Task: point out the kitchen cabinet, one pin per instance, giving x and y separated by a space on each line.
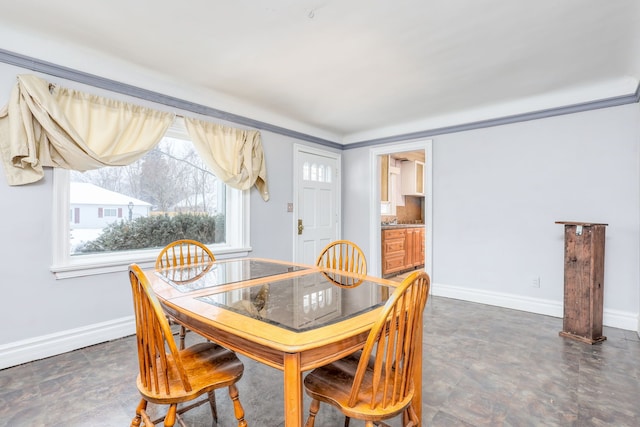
414 255
393 250
389 185
384 178
412 178
402 249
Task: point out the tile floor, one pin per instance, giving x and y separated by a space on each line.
483 366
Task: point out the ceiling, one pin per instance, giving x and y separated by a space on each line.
346 71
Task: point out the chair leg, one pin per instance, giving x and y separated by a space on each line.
142 406
313 410
237 406
346 421
410 417
170 418
183 334
212 403
180 420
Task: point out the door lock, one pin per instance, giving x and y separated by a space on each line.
300 226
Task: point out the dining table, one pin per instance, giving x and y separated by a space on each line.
290 316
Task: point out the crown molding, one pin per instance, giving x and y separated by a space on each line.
516 118
148 95
51 69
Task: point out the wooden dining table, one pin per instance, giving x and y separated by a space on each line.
289 316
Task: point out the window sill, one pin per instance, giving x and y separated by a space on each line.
92 265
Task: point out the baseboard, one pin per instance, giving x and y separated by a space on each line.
28 350
620 319
612 318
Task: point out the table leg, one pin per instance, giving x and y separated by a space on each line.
293 405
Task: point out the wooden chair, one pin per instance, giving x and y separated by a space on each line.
377 383
169 376
182 253
343 255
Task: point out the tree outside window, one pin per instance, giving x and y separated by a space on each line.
166 195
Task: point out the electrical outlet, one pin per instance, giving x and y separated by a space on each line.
535 281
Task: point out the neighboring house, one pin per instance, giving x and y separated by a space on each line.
93 207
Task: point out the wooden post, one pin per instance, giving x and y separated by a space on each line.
583 281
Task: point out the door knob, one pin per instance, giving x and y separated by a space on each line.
300 226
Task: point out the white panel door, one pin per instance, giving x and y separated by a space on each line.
317 187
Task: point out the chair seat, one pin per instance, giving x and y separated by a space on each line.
208 365
333 384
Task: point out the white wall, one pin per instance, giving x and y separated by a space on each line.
497 194
272 227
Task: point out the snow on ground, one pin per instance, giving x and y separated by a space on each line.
81 235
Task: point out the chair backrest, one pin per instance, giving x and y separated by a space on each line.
343 255
392 345
158 356
184 252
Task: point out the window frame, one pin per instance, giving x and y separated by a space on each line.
64 265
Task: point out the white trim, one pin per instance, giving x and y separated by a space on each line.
145 259
620 319
297 149
237 222
499 299
28 350
63 265
375 262
613 318
60 217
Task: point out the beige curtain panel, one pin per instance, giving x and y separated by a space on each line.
49 126
234 155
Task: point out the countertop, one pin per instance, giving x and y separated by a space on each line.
392 226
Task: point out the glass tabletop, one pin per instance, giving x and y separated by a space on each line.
304 302
202 276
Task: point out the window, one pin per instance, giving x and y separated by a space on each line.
314 172
109 217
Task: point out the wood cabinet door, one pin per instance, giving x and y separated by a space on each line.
408 260
393 250
415 247
402 249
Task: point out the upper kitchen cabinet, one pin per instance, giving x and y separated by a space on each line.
390 191
384 178
412 178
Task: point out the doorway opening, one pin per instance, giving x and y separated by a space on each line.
402 209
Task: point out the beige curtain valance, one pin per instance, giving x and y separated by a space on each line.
46 125
234 155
